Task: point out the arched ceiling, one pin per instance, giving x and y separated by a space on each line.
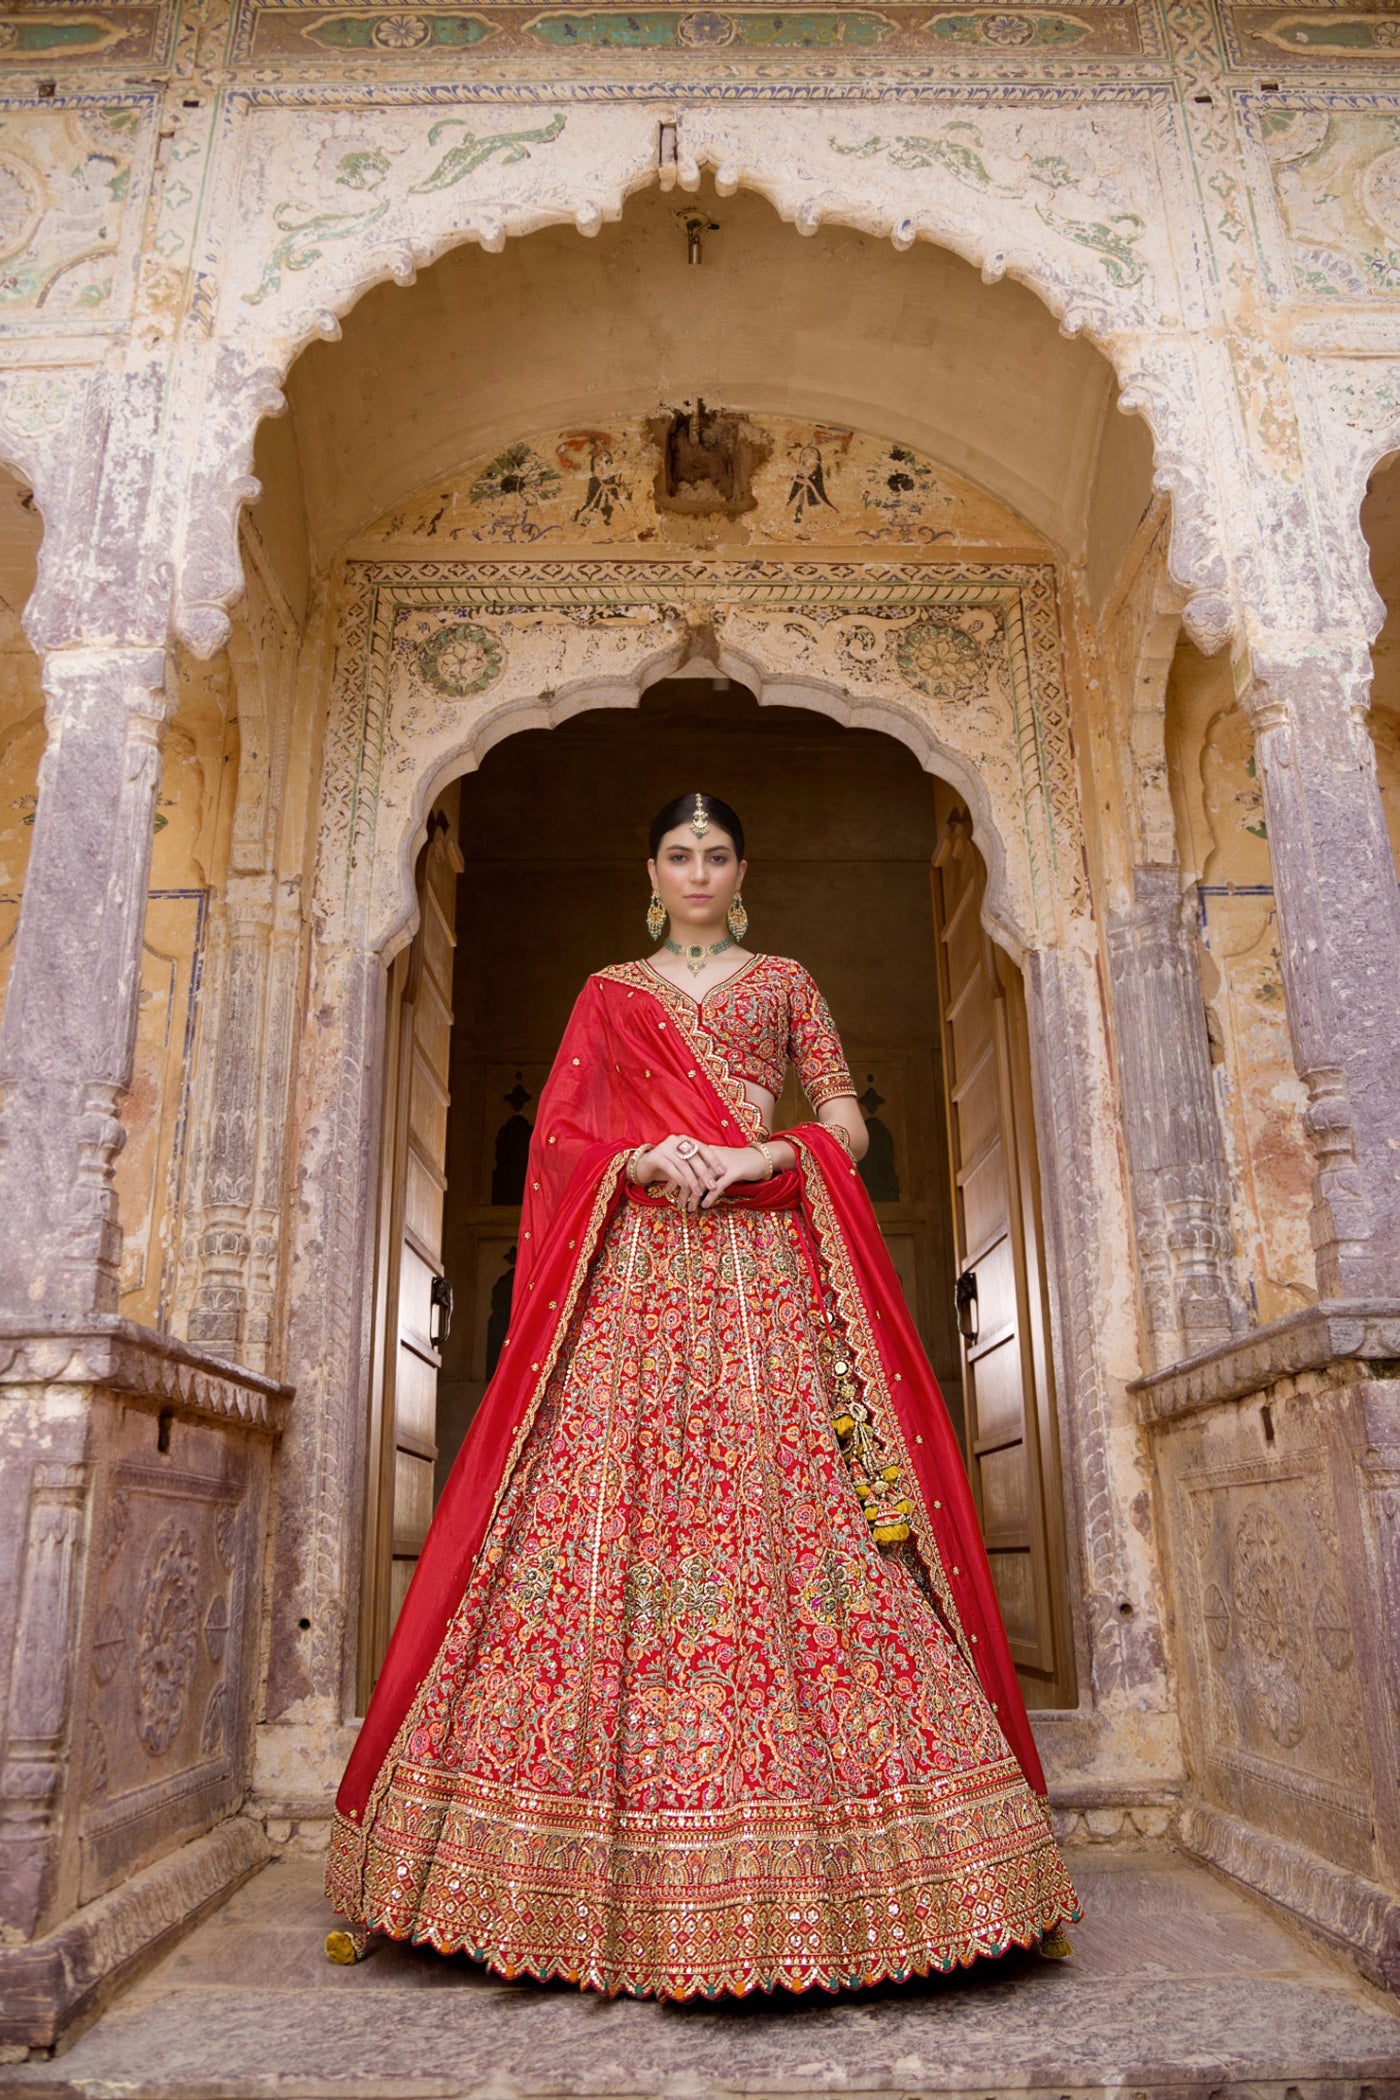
557 328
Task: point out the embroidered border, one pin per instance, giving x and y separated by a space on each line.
851 1308
698 1037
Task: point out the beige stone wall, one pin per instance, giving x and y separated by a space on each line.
1225 858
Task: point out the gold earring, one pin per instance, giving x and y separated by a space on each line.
656 916
736 918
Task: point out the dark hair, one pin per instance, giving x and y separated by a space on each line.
683 809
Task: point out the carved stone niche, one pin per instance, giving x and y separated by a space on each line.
1278 1455
134 1482
709 457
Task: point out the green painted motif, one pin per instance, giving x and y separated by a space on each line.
396 33
53 35
1113 238
1315 33
696 29
460 659
515 472
470 152
305 240
1009 32
959 150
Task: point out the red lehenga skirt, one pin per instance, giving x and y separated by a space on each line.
692 1729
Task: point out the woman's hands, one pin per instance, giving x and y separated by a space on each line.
697 1175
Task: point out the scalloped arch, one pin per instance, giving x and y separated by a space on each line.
1076 213
394 909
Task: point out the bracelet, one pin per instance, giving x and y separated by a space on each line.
759 1146
630 1169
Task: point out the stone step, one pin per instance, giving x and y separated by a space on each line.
1180 1986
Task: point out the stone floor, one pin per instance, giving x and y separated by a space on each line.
1179 1986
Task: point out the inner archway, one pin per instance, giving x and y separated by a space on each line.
862 867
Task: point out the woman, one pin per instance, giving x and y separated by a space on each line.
700 1685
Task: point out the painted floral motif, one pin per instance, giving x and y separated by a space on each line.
1010 32
1057 187
460 659
365 168
950 655
64 180
652 29
402 33
514 484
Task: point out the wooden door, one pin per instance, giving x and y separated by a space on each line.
411 1301
1008 1397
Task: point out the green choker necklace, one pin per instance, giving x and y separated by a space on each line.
697 956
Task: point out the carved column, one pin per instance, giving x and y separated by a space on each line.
70 1014
1176 1160
1339 937
241 1196
218 1316
36 1732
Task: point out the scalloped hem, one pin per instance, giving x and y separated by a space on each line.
740 1984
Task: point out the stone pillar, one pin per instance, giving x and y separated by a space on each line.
239 1236
1176 1159
1339 937
219 1315
70 1013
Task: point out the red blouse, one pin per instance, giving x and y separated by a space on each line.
769 1012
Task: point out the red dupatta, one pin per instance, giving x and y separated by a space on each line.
633 1067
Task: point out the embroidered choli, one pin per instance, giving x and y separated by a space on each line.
769 1013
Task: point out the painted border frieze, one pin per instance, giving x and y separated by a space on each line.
963 664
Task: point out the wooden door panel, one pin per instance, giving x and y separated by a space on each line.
403 1440
1015 1588
984 1205
413 1503
997 1380
1004 1506
1011 1457
423 1197
416 1398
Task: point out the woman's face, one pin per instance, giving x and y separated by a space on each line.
696 878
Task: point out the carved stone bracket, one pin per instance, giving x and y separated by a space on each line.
107 1351
1362 1332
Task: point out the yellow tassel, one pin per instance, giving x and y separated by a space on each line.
843 1425
890 1473
890 1534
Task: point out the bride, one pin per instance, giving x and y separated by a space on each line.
700 1685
